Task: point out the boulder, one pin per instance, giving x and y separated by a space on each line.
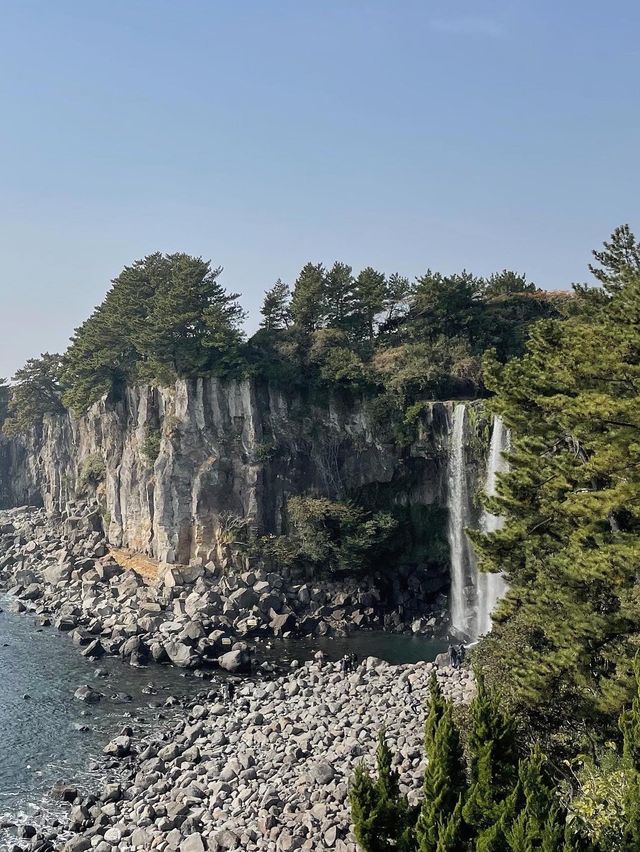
235 661
87 694
180 654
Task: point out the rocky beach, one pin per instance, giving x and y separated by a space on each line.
266 769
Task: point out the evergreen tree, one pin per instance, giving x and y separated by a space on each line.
275 307
451 831
340 298
571 499
553 832
164 316
307 301
445 305
617 259
531 814
4 400
506 283
37 390
629 723
363 798
444 777
493 759
371 292
397 299
193 323
380 813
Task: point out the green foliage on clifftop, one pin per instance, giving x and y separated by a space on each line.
164 316
37 391
168 316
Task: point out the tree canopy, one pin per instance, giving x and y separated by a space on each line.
165 316
168 316
570 623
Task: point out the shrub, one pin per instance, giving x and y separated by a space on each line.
151 445
265 452
92 472
332 536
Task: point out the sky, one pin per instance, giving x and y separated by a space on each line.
261 134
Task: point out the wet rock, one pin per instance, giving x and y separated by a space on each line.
87 694
235 661
118 747
64 792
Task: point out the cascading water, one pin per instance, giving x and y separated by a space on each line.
463 570
491 587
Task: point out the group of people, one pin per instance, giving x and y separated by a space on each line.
349 663
456 656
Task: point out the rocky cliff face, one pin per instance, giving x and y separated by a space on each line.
175 468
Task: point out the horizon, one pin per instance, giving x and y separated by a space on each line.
494 136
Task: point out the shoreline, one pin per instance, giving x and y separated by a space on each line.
280 754
268 770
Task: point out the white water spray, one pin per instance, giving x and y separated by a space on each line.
491 587
463 569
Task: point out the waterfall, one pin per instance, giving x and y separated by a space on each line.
463 570
491 587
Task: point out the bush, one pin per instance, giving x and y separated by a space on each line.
151 445
598 811
331 536
265 452
92 472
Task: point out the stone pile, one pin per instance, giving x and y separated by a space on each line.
60 568
268 771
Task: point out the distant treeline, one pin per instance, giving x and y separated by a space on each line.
168 316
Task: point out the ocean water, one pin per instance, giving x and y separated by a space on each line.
39 740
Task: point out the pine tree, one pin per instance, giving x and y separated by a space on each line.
397 299
445 305
37 391
451 831
531 813
371 291
341 299
505 283
617 259
103 354
553 832
275 307
444 777
570 501
629 723
363 798
307 301
437 706
193 323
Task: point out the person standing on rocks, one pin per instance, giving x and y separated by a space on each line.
411 700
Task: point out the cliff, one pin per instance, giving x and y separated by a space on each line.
175 468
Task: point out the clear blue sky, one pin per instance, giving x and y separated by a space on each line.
398 133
